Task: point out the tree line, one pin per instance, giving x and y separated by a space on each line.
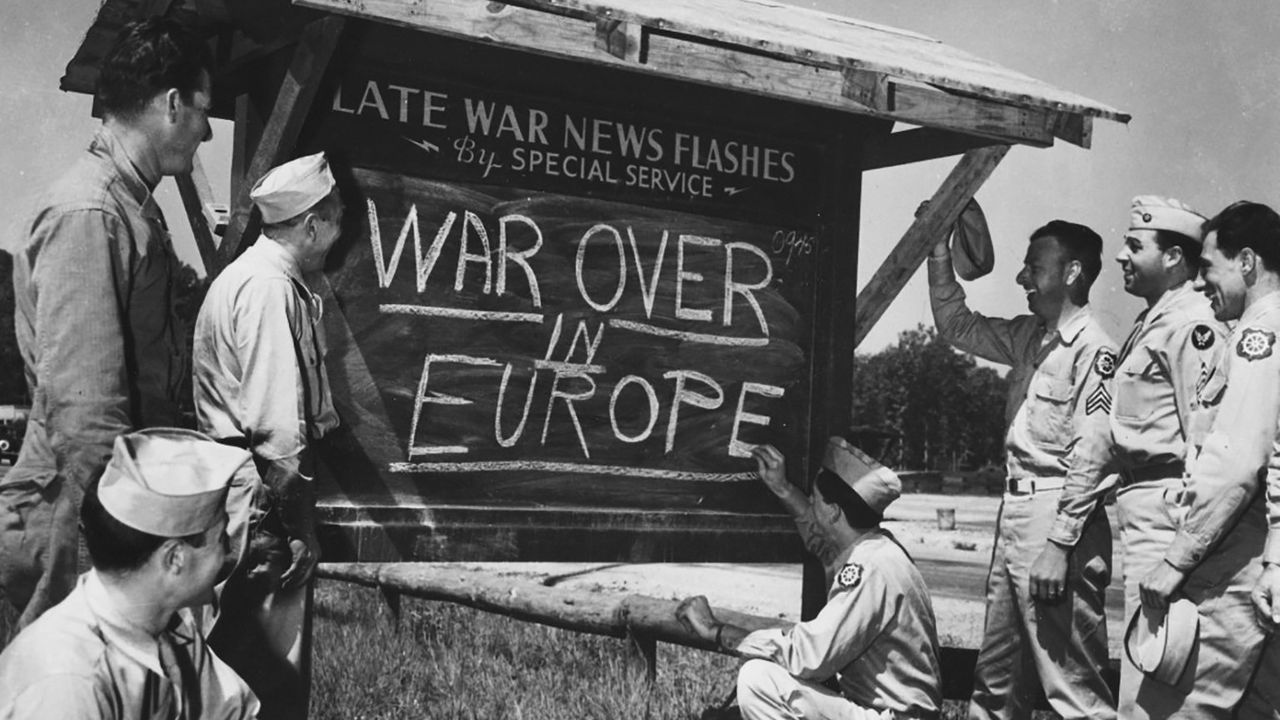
946 411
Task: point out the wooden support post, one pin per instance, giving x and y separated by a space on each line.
194 189
642 655
393 604
945 206
293 101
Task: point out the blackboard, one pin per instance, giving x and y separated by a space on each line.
553 295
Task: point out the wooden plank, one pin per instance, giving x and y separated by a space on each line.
194 189
293 101
625 41
794 34
945 206
690 60
917 145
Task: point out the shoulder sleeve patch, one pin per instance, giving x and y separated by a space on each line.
1202 337
1255 344
849 576
1104 363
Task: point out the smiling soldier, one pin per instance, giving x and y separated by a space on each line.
1062 363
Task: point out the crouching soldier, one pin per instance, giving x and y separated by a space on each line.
876 633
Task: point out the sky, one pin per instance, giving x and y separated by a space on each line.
1199 79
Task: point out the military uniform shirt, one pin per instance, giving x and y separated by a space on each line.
1166 387
877 631
259 356
1059 383
1240 445
81 659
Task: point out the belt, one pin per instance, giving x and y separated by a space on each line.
1031 486
1160 471
238 441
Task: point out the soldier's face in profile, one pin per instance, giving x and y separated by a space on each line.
1142 262
1044 277
1222 279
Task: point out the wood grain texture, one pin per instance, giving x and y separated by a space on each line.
722 58
944 207
798 35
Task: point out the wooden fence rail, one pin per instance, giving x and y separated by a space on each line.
640 619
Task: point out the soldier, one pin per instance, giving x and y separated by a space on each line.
93 277
1167 383
876 633
128 642
1215 557
1062 362
260 384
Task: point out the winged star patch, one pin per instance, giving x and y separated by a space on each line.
849 576
1201 337
1255 344
1105 363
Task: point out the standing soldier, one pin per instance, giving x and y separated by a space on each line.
1062 362
1215 558
260 384
1167 381
94 276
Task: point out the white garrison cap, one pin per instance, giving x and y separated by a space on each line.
1160 643
292 188
876 484
168 481
1151 212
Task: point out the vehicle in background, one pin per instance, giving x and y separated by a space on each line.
13 426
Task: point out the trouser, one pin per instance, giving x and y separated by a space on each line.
1230 643
766 691
1063 643
41 554
263 632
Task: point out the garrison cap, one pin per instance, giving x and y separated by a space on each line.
1151 212
291 189
169 482
971 253
876 484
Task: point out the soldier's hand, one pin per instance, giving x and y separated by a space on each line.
306 554
1266 597
771 467
694 613
1159 585
1049 573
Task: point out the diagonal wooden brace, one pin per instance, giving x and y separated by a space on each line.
293 101
944 208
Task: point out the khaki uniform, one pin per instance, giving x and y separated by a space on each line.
260 379
1167 386
1059 388
877 632
82 660
94 277
1222 530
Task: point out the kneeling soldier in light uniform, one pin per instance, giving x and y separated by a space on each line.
129 641
877 631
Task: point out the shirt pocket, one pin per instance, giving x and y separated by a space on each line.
1049 411
1137 393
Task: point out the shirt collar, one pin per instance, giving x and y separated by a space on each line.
139 645
106 144
1070 328
1171 298
1262 306
278 256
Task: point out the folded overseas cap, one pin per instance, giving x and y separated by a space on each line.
1151 212
292 188
876 484
168 481
1159 643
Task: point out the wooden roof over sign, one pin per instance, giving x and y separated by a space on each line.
761 46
